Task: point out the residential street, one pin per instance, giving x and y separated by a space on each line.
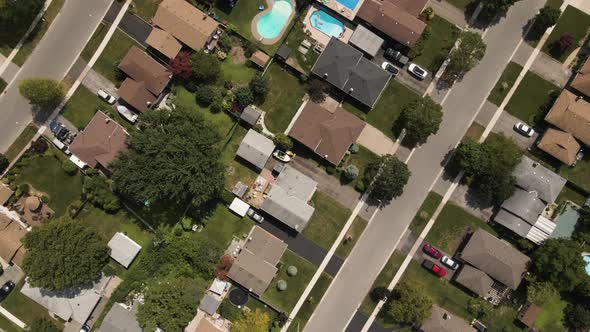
378 241
52 58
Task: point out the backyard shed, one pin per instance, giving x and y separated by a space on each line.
260 58
528 315
366 41
283 52
121 319
209 304
123 249
239 207
256 148
250 115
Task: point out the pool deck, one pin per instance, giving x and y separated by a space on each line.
270 41
319 36
342 9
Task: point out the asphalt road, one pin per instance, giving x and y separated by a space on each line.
52 58
378 241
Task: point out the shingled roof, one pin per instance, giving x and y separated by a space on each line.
11 233
581 81
532 176
561 145
571 114
474 280
164 42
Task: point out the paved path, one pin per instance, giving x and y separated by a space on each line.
544 65
10 70
383 233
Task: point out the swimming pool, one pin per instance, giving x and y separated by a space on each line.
271 24
587 260
326 23
350 4
566 222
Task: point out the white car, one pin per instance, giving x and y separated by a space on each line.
389 68
524 129
106 97
417 71
282 156
127 114
446 260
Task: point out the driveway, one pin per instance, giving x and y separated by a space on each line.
12 273
403 76
544 65
420 256
505 125
374 140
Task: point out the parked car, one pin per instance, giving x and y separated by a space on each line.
417 71
389 68
85 328
430 266
282 156
6 289
255 216
431 251
394 55
524 129
106 97
446 260
127 114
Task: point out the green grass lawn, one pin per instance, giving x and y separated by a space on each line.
530 99
504 84
222 121
579 174
327 221
286 299
284 98
573 22
24 308
2 85
145 9
95 41
551 316
8 326
355 231
425 213
232 313
116 49
310 303
474 131
238 73
294 39
388 108
451 225
237 169
361 160
438 44
21 141
383 280
568 193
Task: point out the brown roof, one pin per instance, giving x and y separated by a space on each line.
260 58
100 141
265 245
206 326
164 43
136 94
582 80
441 320
496 258
571 113
414 7
11 233
561 145
5 193
474 280
391 18
185 22
530 315
329 134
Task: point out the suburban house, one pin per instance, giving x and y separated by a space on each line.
184 22
121 318
100 142
561 145
250 115
5 193
254 266
146 79
398 19
123 249
347 69
327 132
581 81
288 198
256 148
11 248
524 212
442 321
501 262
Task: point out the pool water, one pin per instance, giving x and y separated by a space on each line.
566 222
271 24
587 260
326 23
350 4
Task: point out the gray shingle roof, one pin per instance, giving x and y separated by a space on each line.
123 249
525 205
256 148
250 115
209 304
474 280
367 82
120 319
532 176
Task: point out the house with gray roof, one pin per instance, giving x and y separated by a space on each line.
442 321
534 177
288 197
256 148
475 280
121 319
123 249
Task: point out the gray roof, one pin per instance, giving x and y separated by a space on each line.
524 205
474 280
256 148
442 321
367 82
252 272
251 114
123 249
209 304
121 319
366 40
283 52
265 245
532 176
513 223
288 197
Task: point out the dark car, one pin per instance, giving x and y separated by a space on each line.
431 251
6 289
397 56
434 268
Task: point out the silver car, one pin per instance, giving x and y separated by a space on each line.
524 129
255 216
417 71
446 260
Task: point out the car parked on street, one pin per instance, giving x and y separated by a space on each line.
282 156
6 289
417 71
255 216
127 114
389 68
446 260
434 268
431 251
397 56
524 129
106 97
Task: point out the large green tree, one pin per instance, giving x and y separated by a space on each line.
582 231
546 18
206 67
407 305
42 92
390 176
97 189
16 16
63 254
421 118
577 317
174 159
559 262
252 321
491 8
462 59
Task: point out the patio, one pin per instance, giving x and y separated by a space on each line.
338 7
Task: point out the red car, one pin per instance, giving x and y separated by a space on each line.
439 271
431 251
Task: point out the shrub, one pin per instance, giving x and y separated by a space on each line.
360 187
292 270
45 199
69 167
250 49
244 97
331 170
281 285
428 13
217 105
206 67
283 142
40 145
354 148
351 172
3 163
204 95
97 190
259 88
317 90
24 188
227 197
91 172
258 128
108 270
561 45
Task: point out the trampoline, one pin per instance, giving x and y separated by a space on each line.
238 297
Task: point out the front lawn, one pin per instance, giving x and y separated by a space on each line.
145 9
505 83
425 212
7 325
21 141
573 22
460 4
361 160
355 231
2 85
286 300
551 316
437 44
26 309
312 300
327 221
383 280
116 49
531 99
284 97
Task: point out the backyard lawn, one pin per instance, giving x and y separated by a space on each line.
579 174
284 97
437 44
285 300
530 99
327 221
551 316
312 300
355 231
504 84
232 313
239 73
573 22
383 280
145 9
116 49
568 193
425 212
221 120
294 39
21 141
237 169
24 308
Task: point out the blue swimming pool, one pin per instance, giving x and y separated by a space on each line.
326 23
271 24
350 4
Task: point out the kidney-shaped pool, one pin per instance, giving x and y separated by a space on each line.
272 23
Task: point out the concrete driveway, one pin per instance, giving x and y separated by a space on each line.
420 256
374 140
404 77
505 125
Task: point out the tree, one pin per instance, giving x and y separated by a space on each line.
97 190
39 145
563 44
16 16
379 293
582 231
421 118
182 66
173 160
390 175
283 142
538 292
547 17
317 90
69 167
577 317
170 304
479 307
244 97
351 172
259 88
559 262
204 95
42 92
470 51
206 67
43 325
491 8
252 321
63 254
408 305
3 163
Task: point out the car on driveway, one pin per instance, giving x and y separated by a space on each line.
397 56
389 68
6 289
106 97
446 260
255 216
417 71
434 268
431 251
524 129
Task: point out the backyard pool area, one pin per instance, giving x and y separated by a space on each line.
326 23
350 4
566 221
269 25
587 260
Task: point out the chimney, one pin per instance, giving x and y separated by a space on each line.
350 90
325 75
